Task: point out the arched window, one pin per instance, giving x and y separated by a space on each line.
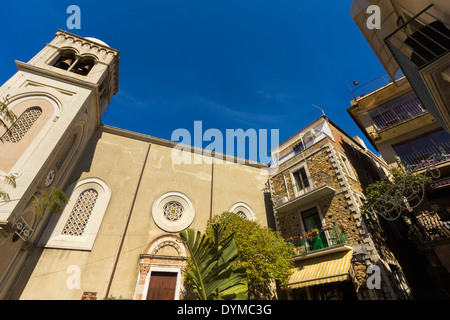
69 61
21 126
243 210
78 225
81 212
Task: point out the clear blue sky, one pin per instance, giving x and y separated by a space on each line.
231 64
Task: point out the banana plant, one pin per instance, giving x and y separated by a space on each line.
211 270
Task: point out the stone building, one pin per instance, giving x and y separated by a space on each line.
317 183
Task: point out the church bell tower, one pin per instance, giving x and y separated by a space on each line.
58 98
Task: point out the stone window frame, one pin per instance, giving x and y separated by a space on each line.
296 168
53 237
245 209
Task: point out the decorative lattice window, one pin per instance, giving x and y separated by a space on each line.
81 212
66 151
173 211
23 124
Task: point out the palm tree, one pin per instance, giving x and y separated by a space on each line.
211 271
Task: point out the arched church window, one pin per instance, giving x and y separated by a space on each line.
80 214
21 126
78 225
243 210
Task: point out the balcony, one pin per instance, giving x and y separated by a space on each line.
319 187
326 238
429 228
394 114
421 46
308 140
427 157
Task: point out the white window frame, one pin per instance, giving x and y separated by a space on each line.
53 237
297 191
173 226
245 208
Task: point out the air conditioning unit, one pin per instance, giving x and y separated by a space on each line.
310 133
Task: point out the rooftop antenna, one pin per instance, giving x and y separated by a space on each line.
323 112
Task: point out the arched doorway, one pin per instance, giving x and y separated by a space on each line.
161 270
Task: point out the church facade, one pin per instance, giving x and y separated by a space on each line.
117 237
127 200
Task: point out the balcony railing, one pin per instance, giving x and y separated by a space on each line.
423 39
427 157
388 117
317 239
371 86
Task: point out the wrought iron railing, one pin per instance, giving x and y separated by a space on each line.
423 39
389 117
371 86
316 239
427 157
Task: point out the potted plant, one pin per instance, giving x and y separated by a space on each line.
312 234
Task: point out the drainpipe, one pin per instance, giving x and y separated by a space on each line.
212 186
126 225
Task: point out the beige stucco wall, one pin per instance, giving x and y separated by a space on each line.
118 160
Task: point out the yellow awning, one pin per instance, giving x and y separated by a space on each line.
324 269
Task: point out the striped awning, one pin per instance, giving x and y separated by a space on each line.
323 269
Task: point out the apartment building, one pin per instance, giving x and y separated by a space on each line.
405 116
317 183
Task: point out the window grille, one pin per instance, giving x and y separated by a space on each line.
81 212
22 125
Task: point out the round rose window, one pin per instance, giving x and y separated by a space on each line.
173 211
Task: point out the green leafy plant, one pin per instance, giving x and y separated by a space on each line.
53 199
6 115
211 272
399 190
263 253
